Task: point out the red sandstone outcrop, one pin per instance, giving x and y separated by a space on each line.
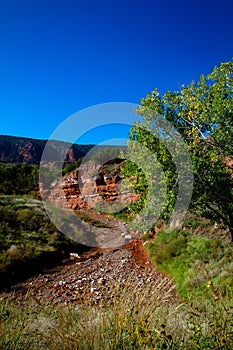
91 186
27 152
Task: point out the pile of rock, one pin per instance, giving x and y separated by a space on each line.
99 276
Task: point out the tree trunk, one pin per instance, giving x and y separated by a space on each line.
231 226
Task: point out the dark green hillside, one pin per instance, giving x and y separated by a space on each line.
29 242
27 150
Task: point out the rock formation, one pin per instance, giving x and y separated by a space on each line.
91 187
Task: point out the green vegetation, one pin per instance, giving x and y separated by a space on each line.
198 257
193 256
22 178
29 241
18 179
70 166
202 113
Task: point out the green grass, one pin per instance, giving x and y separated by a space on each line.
194 255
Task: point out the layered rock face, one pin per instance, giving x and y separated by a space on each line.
92 187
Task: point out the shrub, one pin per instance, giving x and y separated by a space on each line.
167 245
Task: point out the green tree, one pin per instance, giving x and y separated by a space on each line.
202 113
18 178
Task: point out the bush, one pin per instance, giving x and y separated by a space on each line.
167 245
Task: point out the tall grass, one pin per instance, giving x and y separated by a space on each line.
137 319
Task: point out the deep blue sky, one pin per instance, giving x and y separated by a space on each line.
60 56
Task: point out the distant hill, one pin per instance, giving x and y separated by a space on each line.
15 149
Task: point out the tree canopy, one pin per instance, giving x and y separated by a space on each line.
202 114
